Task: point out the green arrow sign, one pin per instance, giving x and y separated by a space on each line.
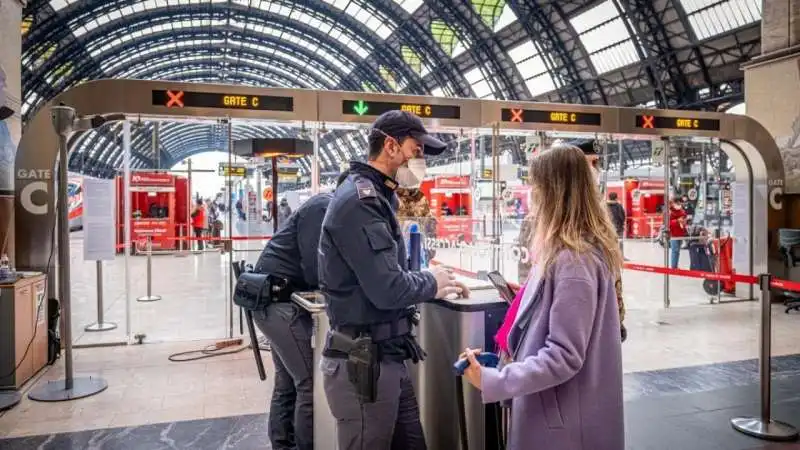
360 108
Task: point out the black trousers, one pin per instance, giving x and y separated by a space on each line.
291 415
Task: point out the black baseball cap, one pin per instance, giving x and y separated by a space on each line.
587 146
399 124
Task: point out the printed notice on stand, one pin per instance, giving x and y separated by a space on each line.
98 219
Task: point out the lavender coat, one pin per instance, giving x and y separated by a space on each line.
565 383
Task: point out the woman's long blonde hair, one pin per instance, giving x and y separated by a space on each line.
568 211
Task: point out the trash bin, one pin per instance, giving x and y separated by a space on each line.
446 328
324 423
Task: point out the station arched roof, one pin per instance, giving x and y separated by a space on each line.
668 53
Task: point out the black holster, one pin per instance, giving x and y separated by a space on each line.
364 378
363 363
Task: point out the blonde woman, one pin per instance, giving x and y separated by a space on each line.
564 374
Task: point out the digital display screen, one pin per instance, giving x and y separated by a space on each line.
676 123
233 171
538 116
186 99
366 108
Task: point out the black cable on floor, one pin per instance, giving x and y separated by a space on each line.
211 351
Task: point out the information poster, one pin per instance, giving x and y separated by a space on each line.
98 219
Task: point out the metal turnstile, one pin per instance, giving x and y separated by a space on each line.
446 328
324 423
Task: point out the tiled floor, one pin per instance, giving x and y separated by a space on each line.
144 387
219 403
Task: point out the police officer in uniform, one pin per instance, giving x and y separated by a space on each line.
291 257
371 294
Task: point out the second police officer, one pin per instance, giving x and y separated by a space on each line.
291 257
370 292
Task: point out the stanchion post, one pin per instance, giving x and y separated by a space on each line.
764 427
149 297
71 387
100 325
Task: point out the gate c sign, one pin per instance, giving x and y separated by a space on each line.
37 180
776 194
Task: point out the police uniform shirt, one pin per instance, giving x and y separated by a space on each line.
362 255
292 252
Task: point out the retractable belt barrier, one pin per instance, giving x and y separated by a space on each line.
762 426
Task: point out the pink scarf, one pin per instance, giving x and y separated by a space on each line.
501 338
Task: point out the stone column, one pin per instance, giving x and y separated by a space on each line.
11 123
772 91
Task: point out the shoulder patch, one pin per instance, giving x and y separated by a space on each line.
365 189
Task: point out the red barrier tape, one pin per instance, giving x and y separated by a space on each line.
749 279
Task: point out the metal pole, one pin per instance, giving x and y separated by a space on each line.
605 170
156 145
274 195
231 276
189 201
495 211
668 241
764 427
69 388
64 288
620 146
100 325
315 165
473 183
127 244
149 297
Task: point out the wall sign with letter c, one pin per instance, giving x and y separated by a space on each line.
776 198
26 198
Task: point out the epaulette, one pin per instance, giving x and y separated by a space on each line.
365 188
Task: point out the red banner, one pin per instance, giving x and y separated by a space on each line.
151 179
452 182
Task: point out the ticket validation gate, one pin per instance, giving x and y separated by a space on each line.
751 148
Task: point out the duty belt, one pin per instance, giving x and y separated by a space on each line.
378 332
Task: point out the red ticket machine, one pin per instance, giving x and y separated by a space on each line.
647 209
159 207
451 203
643 200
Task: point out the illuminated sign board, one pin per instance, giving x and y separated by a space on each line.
677 123
232 171
186 99
367 108
519 115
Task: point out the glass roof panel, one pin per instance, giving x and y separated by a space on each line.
507 17
437 92
480 86
445 35
532 68
297 12
710 18
380 24
410 5
605 36
96 48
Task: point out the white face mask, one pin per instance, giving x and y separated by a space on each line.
411 176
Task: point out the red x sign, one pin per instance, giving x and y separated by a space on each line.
516 115
648 121
175 99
